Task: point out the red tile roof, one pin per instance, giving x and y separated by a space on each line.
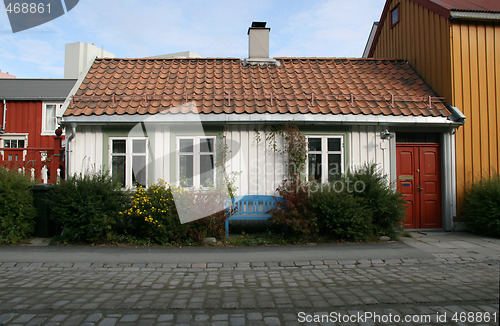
228 85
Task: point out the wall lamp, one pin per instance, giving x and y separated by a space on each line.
385 134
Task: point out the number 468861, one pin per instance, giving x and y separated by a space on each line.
27 8
474 317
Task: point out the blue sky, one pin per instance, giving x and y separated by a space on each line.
134 28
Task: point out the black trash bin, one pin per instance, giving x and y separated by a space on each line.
44 226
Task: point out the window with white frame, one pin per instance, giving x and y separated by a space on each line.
14 143
196 161
325 158
129 161
51 115
14 140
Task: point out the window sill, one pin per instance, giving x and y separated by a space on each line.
50 133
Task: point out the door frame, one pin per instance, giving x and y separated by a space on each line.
448 172
418 180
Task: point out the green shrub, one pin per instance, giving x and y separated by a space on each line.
154 216
17 213
342 215
355 206
87 207
387 206
482 207
294 217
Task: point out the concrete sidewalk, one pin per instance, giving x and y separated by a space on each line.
431 277
421 246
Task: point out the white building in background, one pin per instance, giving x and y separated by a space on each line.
78 57
178 55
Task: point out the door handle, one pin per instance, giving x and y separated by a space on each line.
419 188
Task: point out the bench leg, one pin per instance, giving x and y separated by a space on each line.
227 227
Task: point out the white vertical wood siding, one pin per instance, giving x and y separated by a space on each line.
368 147
86 151
161 151
257 169
255 166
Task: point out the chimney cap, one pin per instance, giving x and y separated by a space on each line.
259 24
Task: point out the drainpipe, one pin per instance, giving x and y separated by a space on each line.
68 149
4 114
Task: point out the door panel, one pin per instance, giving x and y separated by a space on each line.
406 183
430 196
418 171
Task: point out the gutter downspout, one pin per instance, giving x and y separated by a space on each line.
4 114
68 149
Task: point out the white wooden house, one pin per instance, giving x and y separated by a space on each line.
146 119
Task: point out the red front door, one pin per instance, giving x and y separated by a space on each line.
419 180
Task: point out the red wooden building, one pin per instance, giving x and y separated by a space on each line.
30 110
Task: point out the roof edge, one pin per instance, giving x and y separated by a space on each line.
343 119
490 16
32 98
381 22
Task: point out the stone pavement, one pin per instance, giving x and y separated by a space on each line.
433 279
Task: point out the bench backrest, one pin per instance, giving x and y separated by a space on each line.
254 204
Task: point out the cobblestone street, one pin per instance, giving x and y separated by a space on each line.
442 285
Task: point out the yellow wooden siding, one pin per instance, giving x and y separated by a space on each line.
423 38
476 91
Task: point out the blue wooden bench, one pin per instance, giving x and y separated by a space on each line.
251 207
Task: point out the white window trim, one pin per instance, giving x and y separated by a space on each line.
196 160
14 137
324 155
128 158
59 114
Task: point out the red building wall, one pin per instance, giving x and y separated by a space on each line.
26 117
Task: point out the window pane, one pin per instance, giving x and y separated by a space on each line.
20 143
139 170
118 169
119 146
186 145
334 166
139 146
395 16
334 144
315 144
6 143
50 117
186 170
314 167
207 170
207 145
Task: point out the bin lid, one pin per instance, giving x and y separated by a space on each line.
42 186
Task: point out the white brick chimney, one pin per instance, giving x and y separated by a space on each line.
258 44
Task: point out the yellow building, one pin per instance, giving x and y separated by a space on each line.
455 46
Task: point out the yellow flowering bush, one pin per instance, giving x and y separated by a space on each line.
153 216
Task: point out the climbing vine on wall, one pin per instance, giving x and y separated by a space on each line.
223 156
294 147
